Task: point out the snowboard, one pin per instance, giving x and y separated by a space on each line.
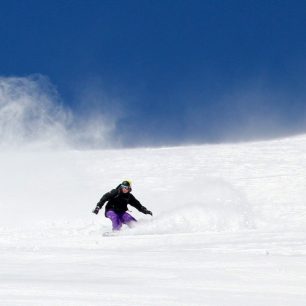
110 234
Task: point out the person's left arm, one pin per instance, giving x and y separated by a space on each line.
135 203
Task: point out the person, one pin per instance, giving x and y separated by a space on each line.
116 208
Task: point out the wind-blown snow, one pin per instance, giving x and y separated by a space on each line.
228 227
33 117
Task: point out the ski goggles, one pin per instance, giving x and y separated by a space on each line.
125 187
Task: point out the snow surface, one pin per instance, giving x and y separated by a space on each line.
228 227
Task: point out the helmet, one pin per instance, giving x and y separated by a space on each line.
126 184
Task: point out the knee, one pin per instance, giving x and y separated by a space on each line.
111 215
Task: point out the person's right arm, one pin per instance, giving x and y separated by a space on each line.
106 197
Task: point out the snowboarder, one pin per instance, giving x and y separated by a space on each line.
116 207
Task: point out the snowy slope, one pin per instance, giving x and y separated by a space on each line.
228 227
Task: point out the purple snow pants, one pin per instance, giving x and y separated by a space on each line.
119 219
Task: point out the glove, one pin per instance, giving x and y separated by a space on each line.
145 211
96 210
148 212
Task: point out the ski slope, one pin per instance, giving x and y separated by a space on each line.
228 227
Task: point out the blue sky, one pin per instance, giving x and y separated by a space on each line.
175 71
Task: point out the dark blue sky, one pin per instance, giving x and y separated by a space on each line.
179 71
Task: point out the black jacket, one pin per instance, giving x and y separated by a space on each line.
118 201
